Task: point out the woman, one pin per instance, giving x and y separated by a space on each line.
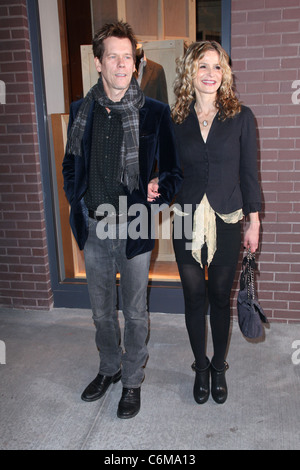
216 138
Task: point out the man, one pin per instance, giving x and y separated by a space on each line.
116 136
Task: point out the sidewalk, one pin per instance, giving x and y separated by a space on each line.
51 357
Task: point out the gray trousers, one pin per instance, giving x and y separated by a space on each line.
103 259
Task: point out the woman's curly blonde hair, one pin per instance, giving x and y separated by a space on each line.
187 66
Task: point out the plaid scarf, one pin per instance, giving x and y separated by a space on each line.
128 108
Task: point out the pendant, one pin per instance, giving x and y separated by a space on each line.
205 123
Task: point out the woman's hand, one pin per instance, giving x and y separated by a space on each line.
251 235
153 190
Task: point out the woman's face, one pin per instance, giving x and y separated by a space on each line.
209 74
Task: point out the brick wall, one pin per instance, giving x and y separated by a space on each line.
24 267
266 63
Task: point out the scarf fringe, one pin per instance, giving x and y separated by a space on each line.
132 182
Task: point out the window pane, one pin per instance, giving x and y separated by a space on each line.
209 20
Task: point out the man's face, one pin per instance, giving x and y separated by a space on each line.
116 67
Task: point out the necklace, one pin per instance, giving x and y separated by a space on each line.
205 122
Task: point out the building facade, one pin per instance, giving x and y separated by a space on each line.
265 54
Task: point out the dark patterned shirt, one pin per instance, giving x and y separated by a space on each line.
104 186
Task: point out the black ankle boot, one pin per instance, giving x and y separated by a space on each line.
218 383
201 385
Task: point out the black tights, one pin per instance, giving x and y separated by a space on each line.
220 280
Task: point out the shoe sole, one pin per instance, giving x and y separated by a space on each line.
127 417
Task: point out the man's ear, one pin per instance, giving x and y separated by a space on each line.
97 64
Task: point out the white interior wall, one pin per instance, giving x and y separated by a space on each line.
51 56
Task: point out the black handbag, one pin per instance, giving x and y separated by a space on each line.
250 313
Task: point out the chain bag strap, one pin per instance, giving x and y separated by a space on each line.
250 313
251 267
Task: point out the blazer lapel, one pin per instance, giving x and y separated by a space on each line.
87 136
143 114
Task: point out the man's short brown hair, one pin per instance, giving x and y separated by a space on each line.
119 30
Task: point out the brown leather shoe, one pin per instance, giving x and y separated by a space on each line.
130 403
98 387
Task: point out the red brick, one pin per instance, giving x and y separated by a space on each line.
290 132
280 75
18 10
291 13
264 16
279 144
260 40
277 98
245 29
290 38
282 27
270 4
245 5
